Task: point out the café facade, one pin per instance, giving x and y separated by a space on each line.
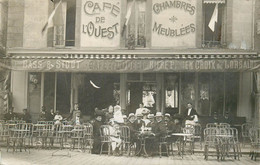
164 54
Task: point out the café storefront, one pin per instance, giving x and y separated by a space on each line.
212 82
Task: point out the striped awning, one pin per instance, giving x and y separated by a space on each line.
214 1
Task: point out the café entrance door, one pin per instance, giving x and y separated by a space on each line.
141 92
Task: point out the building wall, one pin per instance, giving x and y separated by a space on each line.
242 23
19 90
3 25
15 23
257 26
35 16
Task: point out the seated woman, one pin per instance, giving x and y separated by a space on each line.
114 136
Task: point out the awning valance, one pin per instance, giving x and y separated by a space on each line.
214 1
132 65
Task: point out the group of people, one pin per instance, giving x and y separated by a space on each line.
142 120
74 116
11 115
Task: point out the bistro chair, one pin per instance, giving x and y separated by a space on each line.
125 137
56 135
28 135
77 136
164 142
88 136
197 133
105 138
254 134
211 141
189 139
227 142
17 137
4 132
236 141
245 133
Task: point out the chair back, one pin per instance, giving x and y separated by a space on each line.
254 134
224 125
88 131
245 129
78 131
210 125
105 133
125 134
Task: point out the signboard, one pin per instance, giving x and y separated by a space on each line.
173 23
100 23
131 65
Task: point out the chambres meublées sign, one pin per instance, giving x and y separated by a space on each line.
173 23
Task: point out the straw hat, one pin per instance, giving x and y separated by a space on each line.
167 114
158 114
131 115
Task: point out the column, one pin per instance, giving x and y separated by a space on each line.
123 90
257 101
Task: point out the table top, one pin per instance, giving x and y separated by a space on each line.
182 134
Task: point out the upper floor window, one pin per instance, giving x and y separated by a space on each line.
214 23
136 26
64 29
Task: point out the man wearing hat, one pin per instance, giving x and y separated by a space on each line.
177 122
26 116
131 125
151 118
139 122
159 129
168 122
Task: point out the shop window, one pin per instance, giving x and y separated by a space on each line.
204 94
172 91
187 90
63 92
149 93
136 26
64 29
49 90
214 23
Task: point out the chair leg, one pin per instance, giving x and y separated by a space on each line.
101 148
160 150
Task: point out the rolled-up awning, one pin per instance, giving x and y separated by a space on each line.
102 63
214 1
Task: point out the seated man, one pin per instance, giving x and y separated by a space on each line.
159 130
168 122
26 116
139 122
131 125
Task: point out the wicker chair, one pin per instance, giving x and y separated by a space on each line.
254 134
211 141
105 138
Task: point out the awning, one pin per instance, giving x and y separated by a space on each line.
214 1
124 64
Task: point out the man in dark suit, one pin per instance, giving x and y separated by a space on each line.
190 115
